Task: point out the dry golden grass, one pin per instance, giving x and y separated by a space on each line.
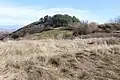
78 59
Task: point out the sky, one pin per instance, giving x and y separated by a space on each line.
23 12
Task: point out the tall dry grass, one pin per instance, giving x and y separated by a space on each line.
78 59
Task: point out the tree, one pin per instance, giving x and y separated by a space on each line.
41 20
62 20
75 19
115 20
46 18
58 20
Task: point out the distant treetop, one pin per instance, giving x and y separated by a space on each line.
58 20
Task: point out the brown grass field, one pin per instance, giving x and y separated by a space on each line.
51 59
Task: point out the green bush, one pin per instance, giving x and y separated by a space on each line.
58 20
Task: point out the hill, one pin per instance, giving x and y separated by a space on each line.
55 48
45 23
46 27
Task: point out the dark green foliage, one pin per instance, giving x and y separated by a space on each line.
15 36
62 20
41 20
58 20
74 19
36 23
46 18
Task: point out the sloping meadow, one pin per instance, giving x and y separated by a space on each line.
78 59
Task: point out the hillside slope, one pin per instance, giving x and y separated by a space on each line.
32 28
43 24
67 22
51 34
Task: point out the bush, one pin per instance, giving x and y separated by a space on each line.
114 24
110 26
15 36
92 27
84 28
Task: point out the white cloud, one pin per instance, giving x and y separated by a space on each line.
26 15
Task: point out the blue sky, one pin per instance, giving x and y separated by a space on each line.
22 12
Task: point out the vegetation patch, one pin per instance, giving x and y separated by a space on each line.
52 34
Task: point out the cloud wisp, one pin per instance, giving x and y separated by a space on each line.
24 15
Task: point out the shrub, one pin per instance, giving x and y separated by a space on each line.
114 24
15 36
92 27
108 30
80 28
110 26
84 28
